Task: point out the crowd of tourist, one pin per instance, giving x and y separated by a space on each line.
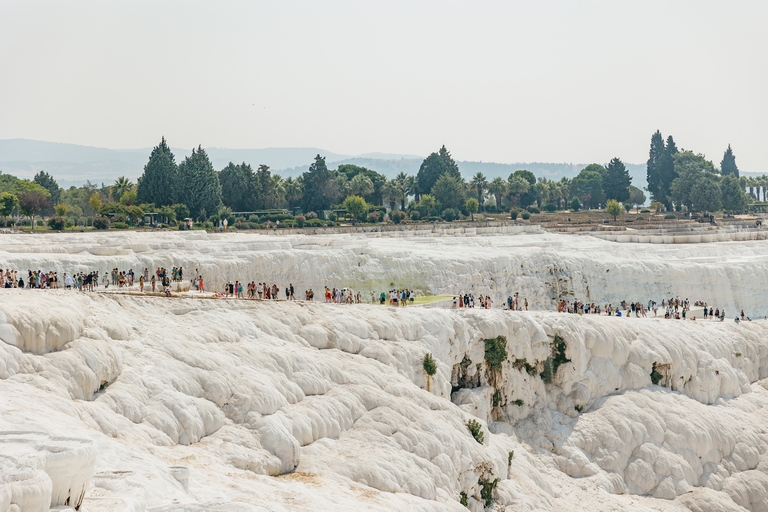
161 279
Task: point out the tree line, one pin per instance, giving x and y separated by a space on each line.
684 181
192 188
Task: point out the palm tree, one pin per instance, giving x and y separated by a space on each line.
407 186
541 191
361 185
479 184
294 190
517 187
752 183
391 191
498 188
277 191
121 186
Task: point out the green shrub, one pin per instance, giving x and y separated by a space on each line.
522 364
300 219
513 214
463 498
579 408
101 222
476 430
509 458
575 204
496 398
553 362
670 216
487 490
449 214
254 219
415 215
533 209
120 225
550 207
274 217
655 376
397 217
526 215
429 364
495 352
640 217
333 217
518 402
56 223
645 210
39 223
315 223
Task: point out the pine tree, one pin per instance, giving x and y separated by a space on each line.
617 181
653 170
728 165
46 181
434 166
158 182
197 185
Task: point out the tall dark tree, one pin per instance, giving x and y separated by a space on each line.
616 181
158 182
653 170
667 169
727 166
434 166
238 184
197 185
263 189
46 181
320 187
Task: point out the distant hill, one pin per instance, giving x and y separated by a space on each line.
72 164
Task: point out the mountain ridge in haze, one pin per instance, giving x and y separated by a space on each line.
73 164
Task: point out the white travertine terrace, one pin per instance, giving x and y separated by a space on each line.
147 403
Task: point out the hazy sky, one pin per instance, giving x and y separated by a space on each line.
555 81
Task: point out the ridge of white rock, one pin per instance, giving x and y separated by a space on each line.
539 266
285 406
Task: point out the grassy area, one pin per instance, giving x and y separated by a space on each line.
431 298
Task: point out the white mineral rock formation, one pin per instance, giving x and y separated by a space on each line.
298 406
541 267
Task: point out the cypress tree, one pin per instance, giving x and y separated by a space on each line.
157 184
667 171
728 165
197 185
653 170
